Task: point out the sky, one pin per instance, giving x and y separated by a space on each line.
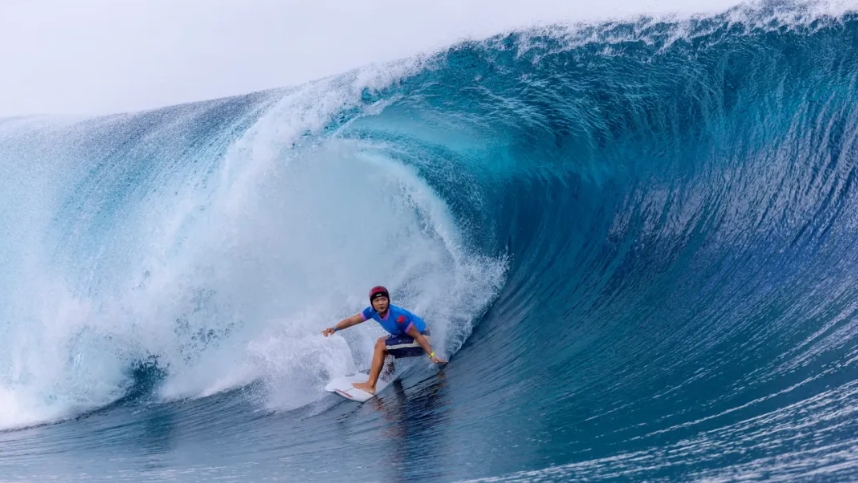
108 56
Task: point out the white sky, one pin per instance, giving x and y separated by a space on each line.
103 56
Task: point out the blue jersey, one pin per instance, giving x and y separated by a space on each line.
397 320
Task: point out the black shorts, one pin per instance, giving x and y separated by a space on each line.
405 346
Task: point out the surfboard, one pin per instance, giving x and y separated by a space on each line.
342 386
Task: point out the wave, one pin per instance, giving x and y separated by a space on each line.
636 239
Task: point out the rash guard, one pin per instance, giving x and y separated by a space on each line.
397 321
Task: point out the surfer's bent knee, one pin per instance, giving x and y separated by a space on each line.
380 342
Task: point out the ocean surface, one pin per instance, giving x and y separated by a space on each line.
636 241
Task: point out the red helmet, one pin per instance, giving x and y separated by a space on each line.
377 292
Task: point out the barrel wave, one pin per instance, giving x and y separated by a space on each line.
635 241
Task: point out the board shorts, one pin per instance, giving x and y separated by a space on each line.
404 345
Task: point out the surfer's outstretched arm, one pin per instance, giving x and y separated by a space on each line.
418 337
344 324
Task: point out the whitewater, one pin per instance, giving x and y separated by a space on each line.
634 240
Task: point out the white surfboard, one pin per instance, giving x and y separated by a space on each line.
343 385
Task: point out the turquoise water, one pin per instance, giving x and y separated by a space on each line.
634 241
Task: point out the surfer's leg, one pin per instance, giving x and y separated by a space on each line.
377 363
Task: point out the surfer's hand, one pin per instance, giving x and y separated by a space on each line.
328 331
438 360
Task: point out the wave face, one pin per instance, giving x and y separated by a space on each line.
636 242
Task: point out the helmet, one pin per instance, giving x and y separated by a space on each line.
377 292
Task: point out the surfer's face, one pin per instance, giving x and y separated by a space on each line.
380 304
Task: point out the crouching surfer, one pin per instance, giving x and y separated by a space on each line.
408 337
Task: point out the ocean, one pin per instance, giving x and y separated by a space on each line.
636 241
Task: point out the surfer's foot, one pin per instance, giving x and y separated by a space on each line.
364 386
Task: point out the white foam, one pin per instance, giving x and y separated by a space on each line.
227 271
669 25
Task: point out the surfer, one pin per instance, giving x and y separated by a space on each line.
408 337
